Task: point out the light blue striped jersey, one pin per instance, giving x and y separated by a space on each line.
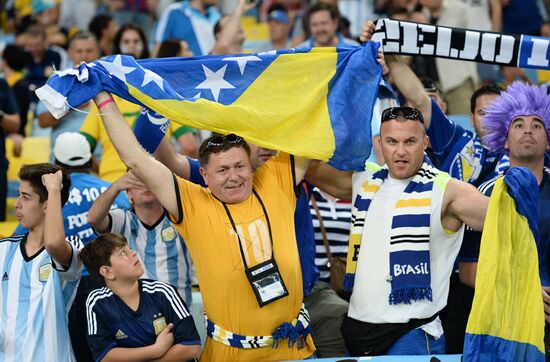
182 21
160 248
357 11
35 298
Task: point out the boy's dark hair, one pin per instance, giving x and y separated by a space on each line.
485 89
98 24
97 253
36 30
169 48
16 57
33 174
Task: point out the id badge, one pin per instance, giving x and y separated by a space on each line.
266 282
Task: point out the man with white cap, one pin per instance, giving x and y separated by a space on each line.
72 152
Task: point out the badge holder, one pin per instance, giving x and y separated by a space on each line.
264 278
266 282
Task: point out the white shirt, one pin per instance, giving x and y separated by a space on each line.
369 301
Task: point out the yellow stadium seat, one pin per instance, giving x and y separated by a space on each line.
253 30
35 150
7 228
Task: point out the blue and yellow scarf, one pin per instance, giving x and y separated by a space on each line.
409 236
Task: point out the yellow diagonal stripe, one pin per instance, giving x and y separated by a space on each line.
303 129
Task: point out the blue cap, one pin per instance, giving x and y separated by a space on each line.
280 16
39 6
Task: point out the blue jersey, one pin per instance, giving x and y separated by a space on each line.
35 298
112 324
160 248
469 251
460 152
303 226
181 21
85 188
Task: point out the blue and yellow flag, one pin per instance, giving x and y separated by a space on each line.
507 318
315 103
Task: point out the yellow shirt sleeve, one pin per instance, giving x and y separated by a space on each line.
91 125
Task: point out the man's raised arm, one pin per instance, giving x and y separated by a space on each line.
154 174
405 79
330 180
463 203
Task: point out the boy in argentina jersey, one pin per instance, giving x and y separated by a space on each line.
149 232
134 319
40 271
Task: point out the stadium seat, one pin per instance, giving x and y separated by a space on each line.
35 150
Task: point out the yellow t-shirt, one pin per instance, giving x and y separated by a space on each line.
227 295
111 167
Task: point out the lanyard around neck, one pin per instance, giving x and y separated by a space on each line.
237 233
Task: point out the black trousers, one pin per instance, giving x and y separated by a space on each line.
78 323
454 317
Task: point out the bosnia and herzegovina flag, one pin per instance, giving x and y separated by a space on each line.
507 318
316 103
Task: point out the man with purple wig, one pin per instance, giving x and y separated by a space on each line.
518 123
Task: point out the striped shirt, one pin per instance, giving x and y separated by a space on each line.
36 295
337 222
160 248
112 324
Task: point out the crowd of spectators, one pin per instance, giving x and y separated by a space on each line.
40 37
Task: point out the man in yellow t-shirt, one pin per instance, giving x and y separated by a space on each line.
243 219
111 168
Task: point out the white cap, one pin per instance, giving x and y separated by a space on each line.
72 149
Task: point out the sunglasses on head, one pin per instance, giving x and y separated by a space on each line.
220 141
409 113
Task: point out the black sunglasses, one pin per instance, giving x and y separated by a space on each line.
409 113
220 141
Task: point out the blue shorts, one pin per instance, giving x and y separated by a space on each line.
417 342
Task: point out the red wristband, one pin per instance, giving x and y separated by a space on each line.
105 102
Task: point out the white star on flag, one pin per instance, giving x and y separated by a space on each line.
151 76
116 68
214 81
243 60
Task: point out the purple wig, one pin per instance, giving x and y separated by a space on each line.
519 99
